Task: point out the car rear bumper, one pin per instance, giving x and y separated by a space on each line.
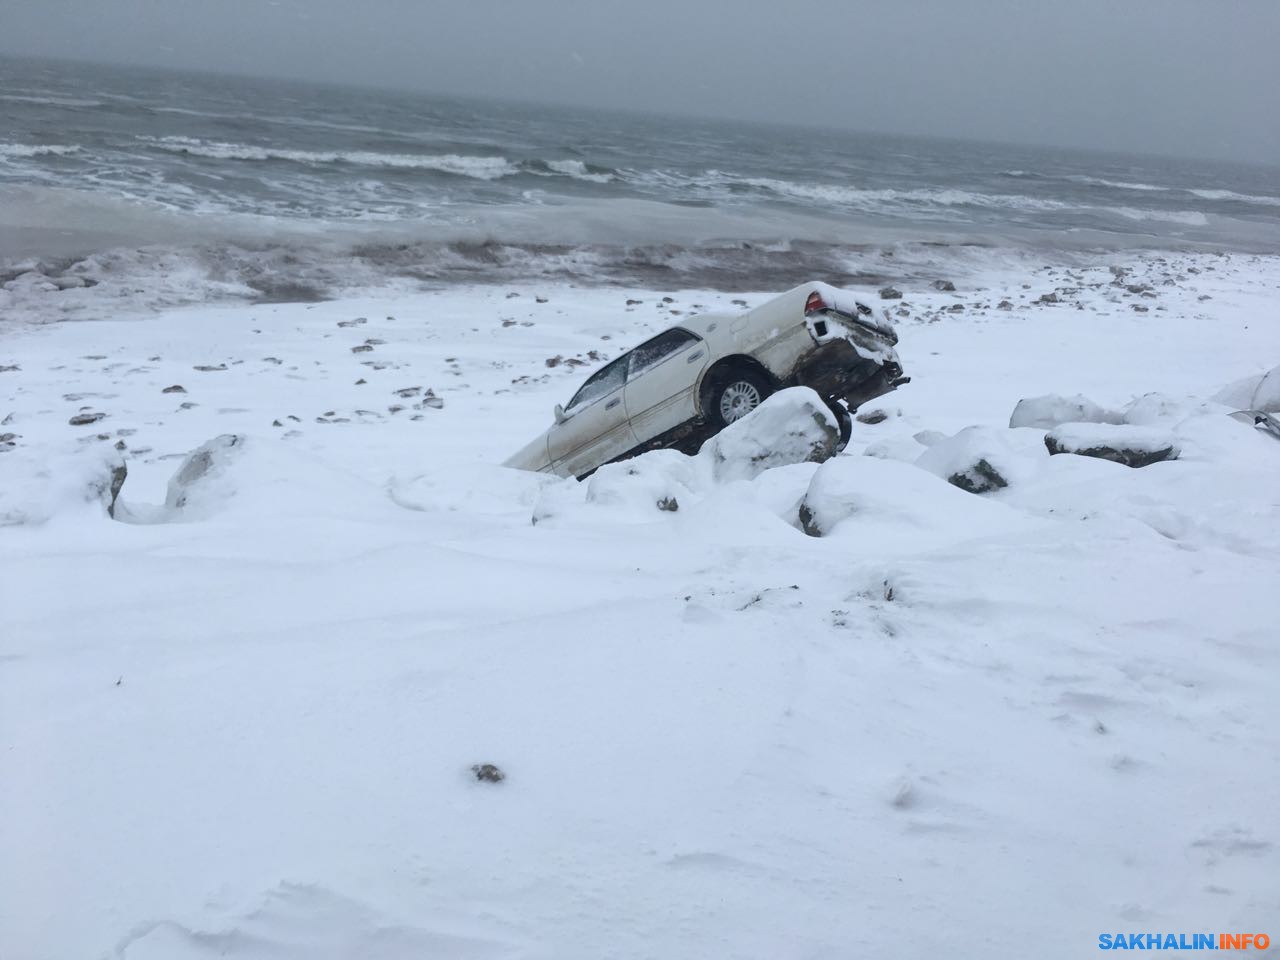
836 371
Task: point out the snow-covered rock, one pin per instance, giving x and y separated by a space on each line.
1133 446
203 480
1259 392
792 426
1053 409
979 459
895 505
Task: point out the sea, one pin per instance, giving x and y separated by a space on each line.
188 186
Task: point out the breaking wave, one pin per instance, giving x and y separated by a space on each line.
1241 197
16 150
581 171
878 201
475 167
479 168
50 101
855 197
1119 184
1190 218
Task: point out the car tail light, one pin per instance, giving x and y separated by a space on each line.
814 303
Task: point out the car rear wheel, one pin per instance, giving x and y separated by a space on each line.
844 420
736 393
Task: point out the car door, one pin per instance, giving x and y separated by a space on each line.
661 378
595 428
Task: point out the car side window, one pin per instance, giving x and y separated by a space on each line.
652 352
605 380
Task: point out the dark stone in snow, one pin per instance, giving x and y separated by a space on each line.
1004 305
210 367
946 286
363 348
176 388
807 522
1129 456
118 473
669 504
1048 298
873 417
982 477
889 293
84 419
487 773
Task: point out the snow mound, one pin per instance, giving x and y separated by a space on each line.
1260 392
254 478
305 920
658 480
477 490
1153 409
638 490
792 426
39 489
1133 446
906 448
981 459
889 506
1052 409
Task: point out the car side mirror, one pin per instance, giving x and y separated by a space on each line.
560 417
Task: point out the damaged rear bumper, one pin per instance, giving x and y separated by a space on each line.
837 371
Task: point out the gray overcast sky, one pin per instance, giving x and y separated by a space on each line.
1195 77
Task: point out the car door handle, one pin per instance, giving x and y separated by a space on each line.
694 356
613 403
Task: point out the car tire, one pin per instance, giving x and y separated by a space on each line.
844 420
734 393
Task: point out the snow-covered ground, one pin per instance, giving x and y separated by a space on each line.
239 720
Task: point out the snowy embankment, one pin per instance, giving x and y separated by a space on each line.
821 710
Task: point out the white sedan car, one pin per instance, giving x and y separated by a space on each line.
688 382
